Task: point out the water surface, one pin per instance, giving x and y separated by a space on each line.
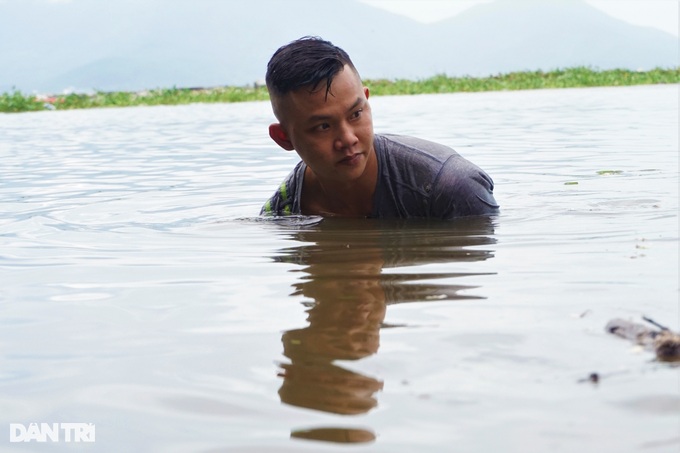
138 292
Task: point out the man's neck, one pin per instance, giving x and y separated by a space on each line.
330 199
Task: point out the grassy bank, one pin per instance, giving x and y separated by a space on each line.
567 78
564 78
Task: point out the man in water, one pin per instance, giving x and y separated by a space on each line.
346 170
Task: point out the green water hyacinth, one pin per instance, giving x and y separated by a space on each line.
15 101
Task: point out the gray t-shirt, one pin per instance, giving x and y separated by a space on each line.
416 179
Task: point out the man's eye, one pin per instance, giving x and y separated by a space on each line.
357 114
323 127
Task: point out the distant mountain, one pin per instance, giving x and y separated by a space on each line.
133 44
527 35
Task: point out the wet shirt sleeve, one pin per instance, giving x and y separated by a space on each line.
462 189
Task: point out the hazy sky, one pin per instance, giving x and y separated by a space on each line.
662 14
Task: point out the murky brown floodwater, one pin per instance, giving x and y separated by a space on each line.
138 293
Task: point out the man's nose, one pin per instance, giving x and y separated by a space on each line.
346 137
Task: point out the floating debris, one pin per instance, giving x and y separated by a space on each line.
592 377
595 377
664 342
609 172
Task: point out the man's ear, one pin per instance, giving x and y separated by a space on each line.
366 92
277 134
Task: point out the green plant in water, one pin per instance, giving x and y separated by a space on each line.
15 101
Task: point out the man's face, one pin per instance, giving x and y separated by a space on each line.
332 133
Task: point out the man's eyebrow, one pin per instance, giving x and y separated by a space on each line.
356 104
315 118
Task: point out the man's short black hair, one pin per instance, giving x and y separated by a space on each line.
305 63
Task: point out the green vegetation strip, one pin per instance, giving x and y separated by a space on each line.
564 78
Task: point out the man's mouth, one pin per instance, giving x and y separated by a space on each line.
351 160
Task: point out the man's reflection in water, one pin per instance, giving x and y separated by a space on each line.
350 281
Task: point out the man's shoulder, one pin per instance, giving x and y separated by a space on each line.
420 178
410 163
406 146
